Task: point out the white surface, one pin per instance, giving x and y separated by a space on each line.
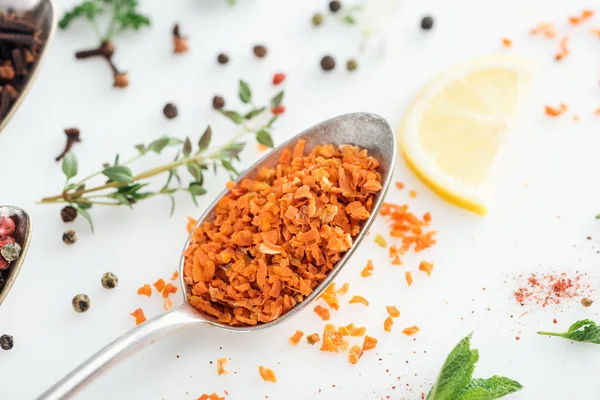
547 194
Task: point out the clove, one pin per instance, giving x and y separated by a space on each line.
180 43
72 137
106 50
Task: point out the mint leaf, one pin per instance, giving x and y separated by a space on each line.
489 389
583 330
118 173
244 92
69 165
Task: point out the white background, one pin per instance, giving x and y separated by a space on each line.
547 194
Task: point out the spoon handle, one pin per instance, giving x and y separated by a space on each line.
130 342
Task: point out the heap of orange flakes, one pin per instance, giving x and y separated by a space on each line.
213 396
275 238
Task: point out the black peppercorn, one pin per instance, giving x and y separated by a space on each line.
6 342
170 110
327 63
70 236
260 51
222 58
81 303
68 214
351 65
427 23
109 280
218 102
317 19
334 6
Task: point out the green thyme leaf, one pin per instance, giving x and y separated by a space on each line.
276 100
83 212
264 137
87 9
195 171
69 165
118 173
172 198
488 389
196 189
204 141
583 330
141 148
187 147
244 92
255 112
232 151
349 19
159 144
234 116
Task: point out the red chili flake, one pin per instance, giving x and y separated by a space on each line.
518 338
555 321
278 110
278 78
551 288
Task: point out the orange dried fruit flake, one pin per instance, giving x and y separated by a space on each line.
380 240
411 330
329 295
159 285
555 112
343 290
213 396
333 339
313 338
412 193
544 29
145 290
170 288
322 312
409 228
356 331
367 271
190 225
506 42
355 354
359 299
274 238
295 338
426 267
267 374
139 315
400 185
168 304
387 324
392 311
563 49
175 275
222 367
409 278
369 343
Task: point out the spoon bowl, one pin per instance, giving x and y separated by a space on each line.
368 131
22 236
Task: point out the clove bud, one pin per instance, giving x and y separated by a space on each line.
180 43
72 137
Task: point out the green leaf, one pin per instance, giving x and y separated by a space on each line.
234 116
255 112
172 198
141 148
272 120
456 372
583 330
264 137
84 205
159 144
69 165
349 19
116 160
204 141
83 212
187 147
276 100
232 151
195 171
233 173
118 173
196 189
244 92
488 389
121 198
87 9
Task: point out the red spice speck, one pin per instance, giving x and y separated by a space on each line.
551 288
518 338
555 321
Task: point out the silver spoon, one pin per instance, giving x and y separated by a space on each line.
22 235
365 130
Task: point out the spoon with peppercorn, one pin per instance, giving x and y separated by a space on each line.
367 131
15 233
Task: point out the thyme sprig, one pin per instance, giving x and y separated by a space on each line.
123 16
126 188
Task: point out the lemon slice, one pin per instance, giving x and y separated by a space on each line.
453 130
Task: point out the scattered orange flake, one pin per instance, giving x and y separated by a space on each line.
329 295
407 227
343 290
343 330
213 396
506 42
367 271
564 50
261 148
358 299
410 330
168 304
400 185
545 29
190 225
355 354
575 20
267 374
412 193
222 367
387 324
313 338
355 330
139 316
409 278
159 284
333 339
392 311
295 338
175 275
597 112
426 267
170 288
585 15
427 217
145 290
380 240
575 117
322 312
596 31
555 112
369 343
